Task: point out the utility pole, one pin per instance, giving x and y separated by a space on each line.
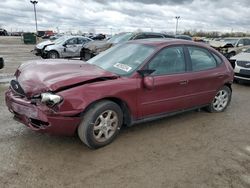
177 20
34 3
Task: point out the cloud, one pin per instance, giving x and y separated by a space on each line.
126 15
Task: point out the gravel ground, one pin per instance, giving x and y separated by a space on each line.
190 150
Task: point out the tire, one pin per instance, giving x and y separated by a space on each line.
100 124
221 100
53 55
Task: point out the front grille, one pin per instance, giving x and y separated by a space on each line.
245 64
38 123
15 86
242 75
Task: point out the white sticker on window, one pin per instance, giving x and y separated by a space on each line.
123 67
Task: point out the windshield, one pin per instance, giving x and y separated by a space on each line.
231 41
120 38
60 40
123 59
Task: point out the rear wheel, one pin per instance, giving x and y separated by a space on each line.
53 55
221 100
101 124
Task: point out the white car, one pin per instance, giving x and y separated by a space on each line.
241 64
65 47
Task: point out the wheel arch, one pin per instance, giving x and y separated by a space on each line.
53 50
127 117
229 85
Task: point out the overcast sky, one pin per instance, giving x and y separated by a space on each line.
126 15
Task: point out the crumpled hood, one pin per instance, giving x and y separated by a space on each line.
220 44
97 46
44 43
40 76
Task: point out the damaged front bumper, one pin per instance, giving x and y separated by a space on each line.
40 118
38 52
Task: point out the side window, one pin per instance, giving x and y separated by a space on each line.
71 41
142 36
81 40
240 42
154 36
168 61
201 59
218 59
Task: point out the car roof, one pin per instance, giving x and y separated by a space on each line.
161 42
236 38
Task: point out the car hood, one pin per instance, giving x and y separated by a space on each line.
243 56
40 76
97 46
220 44
45 43
52 47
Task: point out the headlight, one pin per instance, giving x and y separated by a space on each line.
50 99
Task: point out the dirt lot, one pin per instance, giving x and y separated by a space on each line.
14 53
191 150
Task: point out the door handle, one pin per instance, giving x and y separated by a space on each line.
183 82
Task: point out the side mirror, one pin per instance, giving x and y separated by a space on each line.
148 81
65 45
240 45
1 63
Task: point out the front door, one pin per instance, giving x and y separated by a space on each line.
71 49
170 83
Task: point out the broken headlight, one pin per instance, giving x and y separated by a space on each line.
50 99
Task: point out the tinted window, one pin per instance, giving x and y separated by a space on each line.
153 36
201 59
140 37
168 61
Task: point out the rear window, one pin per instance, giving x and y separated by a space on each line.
201 59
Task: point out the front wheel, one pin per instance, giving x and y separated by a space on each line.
221 100
53 55
100 124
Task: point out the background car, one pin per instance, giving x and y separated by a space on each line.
231 46
241 65
134 82
93 48
184 37
65 47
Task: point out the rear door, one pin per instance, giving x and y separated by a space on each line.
208 74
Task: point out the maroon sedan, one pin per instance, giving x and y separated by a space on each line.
130 83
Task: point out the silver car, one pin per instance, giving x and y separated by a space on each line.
65 47
231 46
